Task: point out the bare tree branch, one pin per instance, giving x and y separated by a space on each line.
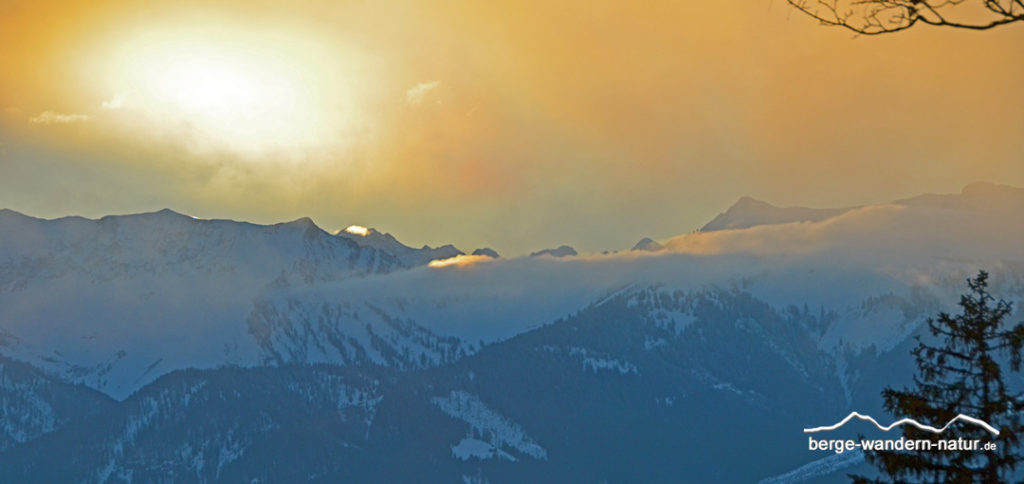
875 17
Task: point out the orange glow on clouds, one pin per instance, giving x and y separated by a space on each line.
460 261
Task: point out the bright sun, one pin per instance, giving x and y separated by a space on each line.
252 94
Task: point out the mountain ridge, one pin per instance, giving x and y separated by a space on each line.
215 350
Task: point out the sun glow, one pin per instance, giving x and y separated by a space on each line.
245 92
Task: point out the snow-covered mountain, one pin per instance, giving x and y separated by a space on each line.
116 302
219 340
33 404
643 384
410 257
166 243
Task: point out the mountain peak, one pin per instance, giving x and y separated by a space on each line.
163 213
487 251
748 201
303 222
6 212
561 251
749 212
647 244
159 216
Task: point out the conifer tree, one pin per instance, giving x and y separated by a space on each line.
960 370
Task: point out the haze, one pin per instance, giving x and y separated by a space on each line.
518 125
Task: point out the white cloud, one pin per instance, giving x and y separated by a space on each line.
116 102
416 94
50 117
837 263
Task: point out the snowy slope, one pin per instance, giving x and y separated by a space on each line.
488 369
115 303
33 404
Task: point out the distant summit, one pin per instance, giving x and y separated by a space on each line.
975 196
487 251
647 244
749 212
563 251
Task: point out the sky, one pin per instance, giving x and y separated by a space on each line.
513 125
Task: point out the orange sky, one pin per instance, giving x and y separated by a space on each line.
516 125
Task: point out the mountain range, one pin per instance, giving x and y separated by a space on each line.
161 347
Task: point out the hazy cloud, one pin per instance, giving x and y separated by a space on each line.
902 232
116 102
418 93
650 126
50 117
